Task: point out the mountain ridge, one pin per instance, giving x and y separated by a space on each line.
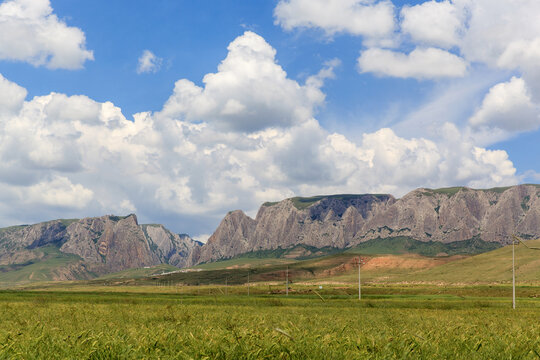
342 221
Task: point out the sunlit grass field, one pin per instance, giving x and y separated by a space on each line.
178 322
412 307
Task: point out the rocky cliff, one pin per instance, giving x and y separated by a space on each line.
443 215
101 245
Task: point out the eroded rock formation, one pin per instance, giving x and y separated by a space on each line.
443 215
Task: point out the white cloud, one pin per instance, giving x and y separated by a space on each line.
482 30
498 33
508 106
71 152
493 25
525 56
32 33
421 63
148 63
249 92
98 162
433 23
356 17
57 192
501 34
11 96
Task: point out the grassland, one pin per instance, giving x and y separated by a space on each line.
176 323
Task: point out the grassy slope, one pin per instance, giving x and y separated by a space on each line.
42 269
405 245
488 268
328 268
494 266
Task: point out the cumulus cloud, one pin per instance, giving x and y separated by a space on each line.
148 63
11 96
421 63
190 163
508 106
59 191
484 39
356 17
250 91
37 36
433 23
469 25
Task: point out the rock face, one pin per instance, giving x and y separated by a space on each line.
443 215
103 244
173 249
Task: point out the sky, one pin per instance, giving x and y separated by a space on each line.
180 111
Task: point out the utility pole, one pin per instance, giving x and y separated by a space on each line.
287 282
513 275
514 239
359 285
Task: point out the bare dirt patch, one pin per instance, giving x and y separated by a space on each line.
386 262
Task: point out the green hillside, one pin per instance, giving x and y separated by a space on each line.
491 267
48 265
405 245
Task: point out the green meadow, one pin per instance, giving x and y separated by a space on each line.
205 322
412 307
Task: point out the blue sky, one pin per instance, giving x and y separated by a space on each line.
306 97
192 38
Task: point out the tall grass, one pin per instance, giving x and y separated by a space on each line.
106 325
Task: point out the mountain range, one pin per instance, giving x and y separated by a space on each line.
449 215
463 219
85 248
